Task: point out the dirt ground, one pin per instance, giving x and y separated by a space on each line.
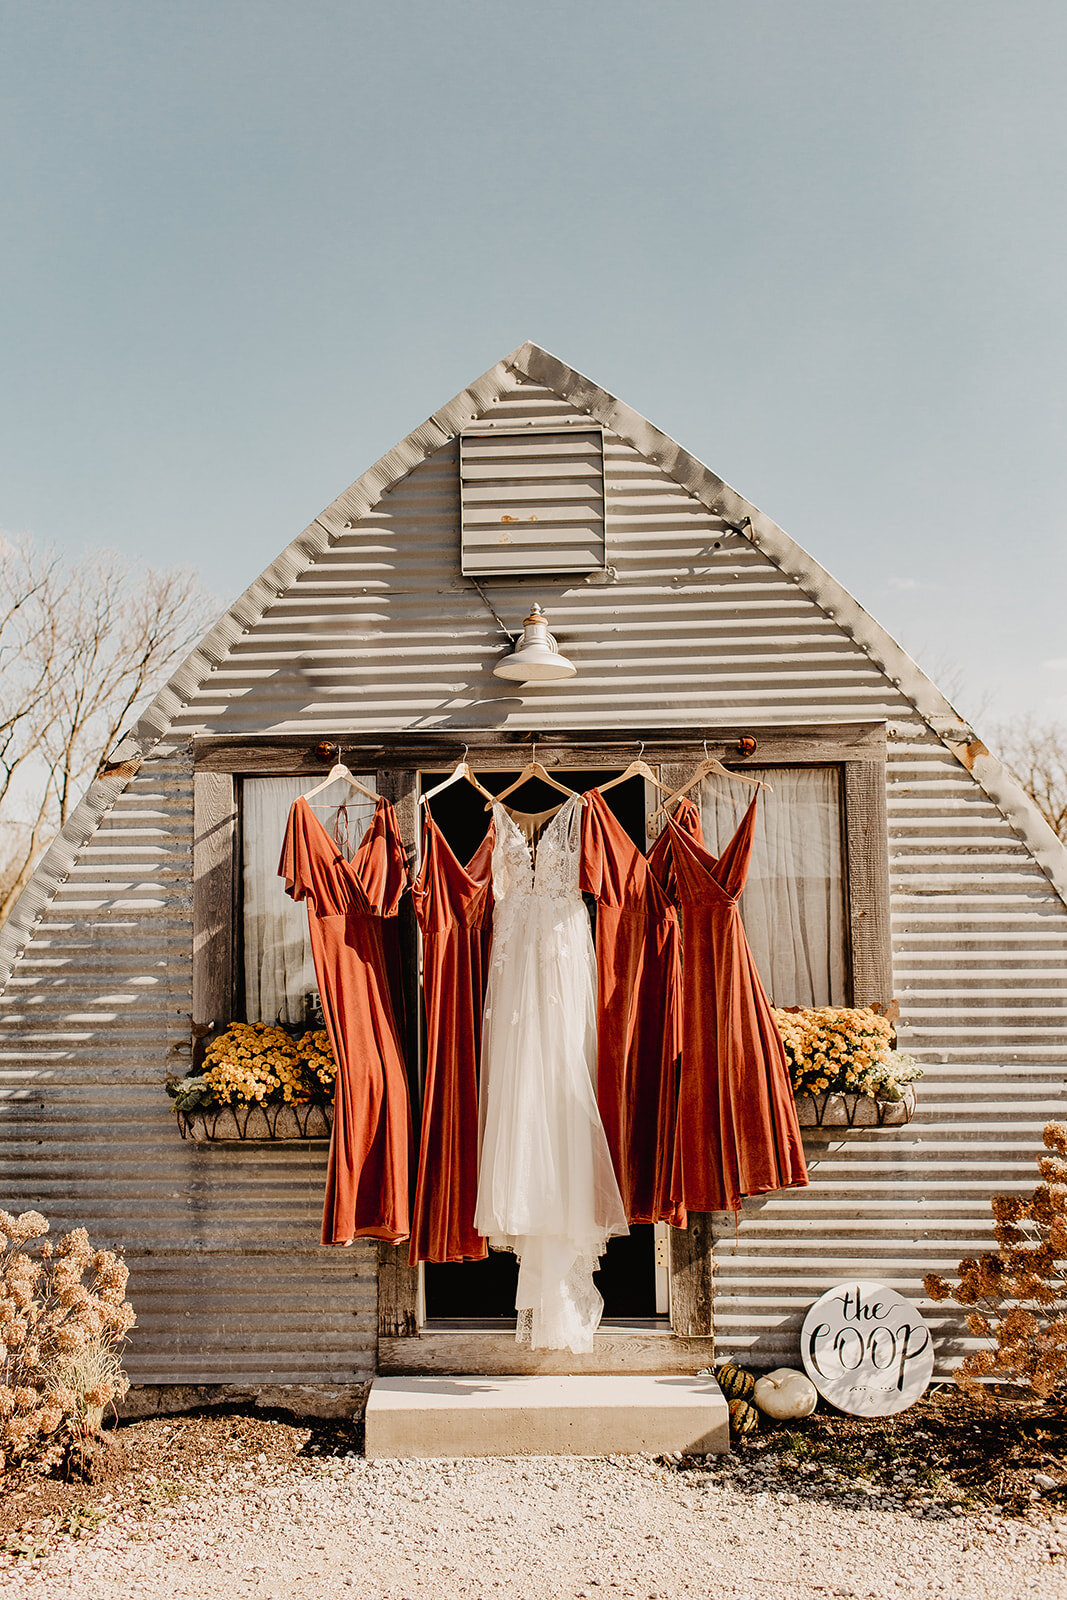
155 1461
944 1461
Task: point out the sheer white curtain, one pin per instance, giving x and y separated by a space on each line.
279 971
793 906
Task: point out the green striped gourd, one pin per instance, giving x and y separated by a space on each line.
735 1382
744 1418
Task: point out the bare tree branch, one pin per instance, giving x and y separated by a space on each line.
1036 752
81 646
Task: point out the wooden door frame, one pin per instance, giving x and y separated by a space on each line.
857 749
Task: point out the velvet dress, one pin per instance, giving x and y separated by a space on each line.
453 904
352 908
737 1123
638 1014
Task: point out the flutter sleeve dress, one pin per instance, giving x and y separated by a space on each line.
453 904
351 907
638 1014
738 1132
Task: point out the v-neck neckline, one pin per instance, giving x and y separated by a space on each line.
643 855
465 869
700 852
334 846
531 850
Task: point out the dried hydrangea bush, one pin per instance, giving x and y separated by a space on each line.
1018 1293
64 1318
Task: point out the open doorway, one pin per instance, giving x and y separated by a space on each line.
483 1292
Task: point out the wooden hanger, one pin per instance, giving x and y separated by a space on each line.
462 769
637 769
709 765
532 769
339 770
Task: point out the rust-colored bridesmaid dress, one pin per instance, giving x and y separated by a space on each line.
351 908
638 1014
454 906
737 1124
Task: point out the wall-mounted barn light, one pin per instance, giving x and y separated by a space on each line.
536 657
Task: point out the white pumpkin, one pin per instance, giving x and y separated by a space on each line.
785 1393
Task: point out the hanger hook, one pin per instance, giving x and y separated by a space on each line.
534 748
338 754
641 752
706 750
463 757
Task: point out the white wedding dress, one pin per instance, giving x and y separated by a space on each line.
546 1185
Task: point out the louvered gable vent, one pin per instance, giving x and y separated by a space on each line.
532 501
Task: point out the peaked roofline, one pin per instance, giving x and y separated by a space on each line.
532 362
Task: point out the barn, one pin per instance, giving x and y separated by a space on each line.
901 863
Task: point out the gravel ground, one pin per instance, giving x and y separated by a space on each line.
532 1528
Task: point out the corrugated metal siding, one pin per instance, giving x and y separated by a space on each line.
980 958
531 501
225 1275
381 632
253 1316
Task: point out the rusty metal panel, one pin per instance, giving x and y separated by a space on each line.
531 501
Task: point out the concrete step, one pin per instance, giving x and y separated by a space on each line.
523 1416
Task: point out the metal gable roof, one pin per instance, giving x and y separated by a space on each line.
531 363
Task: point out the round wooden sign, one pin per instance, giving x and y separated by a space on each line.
866 1349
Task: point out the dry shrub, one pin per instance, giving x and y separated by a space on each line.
1017 1292
63 1320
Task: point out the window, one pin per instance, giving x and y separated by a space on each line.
795 902
279 974
821 864
821 858
531 501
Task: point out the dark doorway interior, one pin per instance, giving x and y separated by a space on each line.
484 1291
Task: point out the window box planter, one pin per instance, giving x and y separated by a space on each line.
854 1110
256 1124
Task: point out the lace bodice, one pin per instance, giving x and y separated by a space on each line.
550 875
546 1186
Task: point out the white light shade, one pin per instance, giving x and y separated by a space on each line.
535 659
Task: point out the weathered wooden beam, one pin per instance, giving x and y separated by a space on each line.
692 1266
867 867
214 884
401 786
615 1349
805 744
693 1278
398 1281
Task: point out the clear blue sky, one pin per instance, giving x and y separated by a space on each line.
246 247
